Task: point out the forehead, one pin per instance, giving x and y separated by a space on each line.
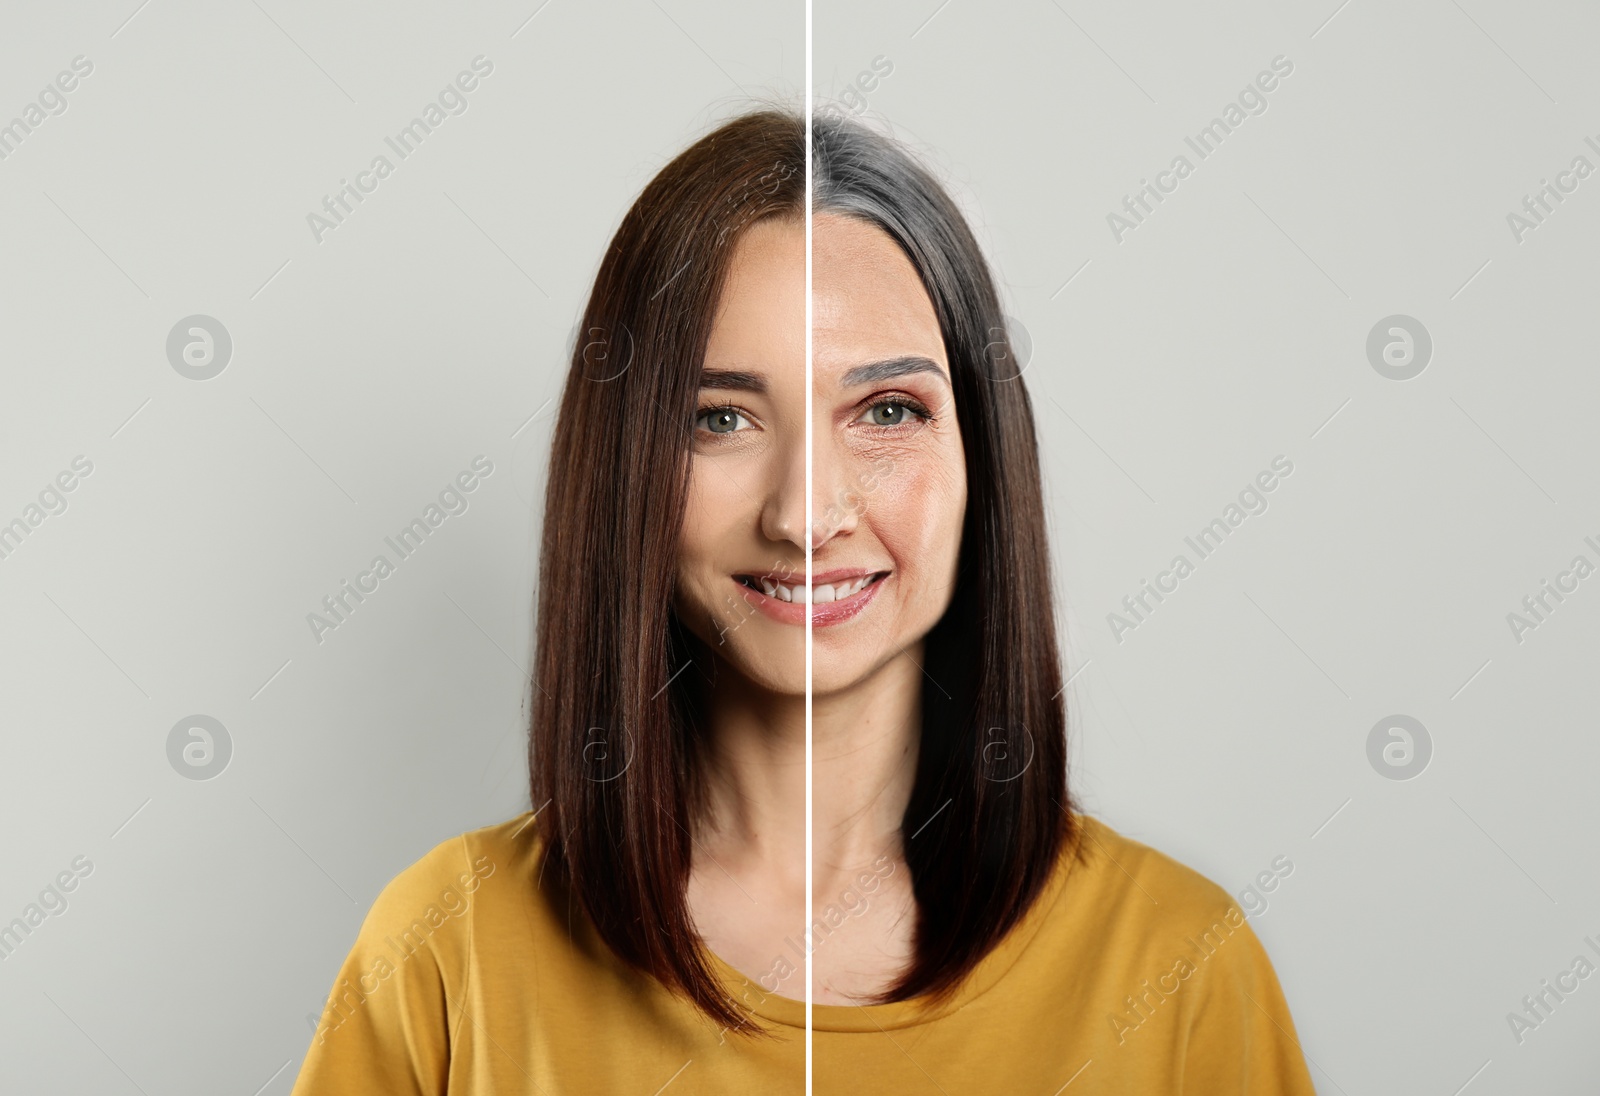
867 301
761 314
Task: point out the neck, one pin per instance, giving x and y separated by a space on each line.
864 753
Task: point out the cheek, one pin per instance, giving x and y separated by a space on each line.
716 516
702 518
920 517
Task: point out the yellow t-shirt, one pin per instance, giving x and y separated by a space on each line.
1131 974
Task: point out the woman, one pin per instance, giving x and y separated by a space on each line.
646 926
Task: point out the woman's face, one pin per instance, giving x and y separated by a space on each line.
889 486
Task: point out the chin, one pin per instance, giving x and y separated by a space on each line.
770 657
850 665
778 668
828 680
846 657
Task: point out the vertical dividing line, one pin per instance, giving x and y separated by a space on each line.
809 442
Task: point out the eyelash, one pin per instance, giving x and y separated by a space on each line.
717 410
899 400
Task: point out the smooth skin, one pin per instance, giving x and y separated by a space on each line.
889 498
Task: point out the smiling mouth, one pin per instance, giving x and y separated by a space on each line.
822 593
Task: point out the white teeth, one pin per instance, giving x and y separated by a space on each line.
821 594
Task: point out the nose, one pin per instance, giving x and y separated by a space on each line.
783 512
835 501
835 498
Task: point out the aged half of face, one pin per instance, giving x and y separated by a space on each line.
889 470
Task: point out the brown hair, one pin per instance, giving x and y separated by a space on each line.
989 814
612 744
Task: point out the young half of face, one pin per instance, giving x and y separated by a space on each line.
889 482
745 517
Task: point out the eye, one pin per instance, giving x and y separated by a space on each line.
890 413
720 420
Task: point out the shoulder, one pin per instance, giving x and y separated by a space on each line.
395 1007
1128 869
433 898
1175 950
418 934
1156 912
461 865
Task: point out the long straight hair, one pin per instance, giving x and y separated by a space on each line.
989 813
614 747
611 746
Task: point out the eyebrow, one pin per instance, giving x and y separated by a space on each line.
735 379
888 369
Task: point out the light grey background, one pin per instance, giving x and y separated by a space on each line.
1230 327
1167 370
368 370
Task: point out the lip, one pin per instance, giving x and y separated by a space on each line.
828 613
829 577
